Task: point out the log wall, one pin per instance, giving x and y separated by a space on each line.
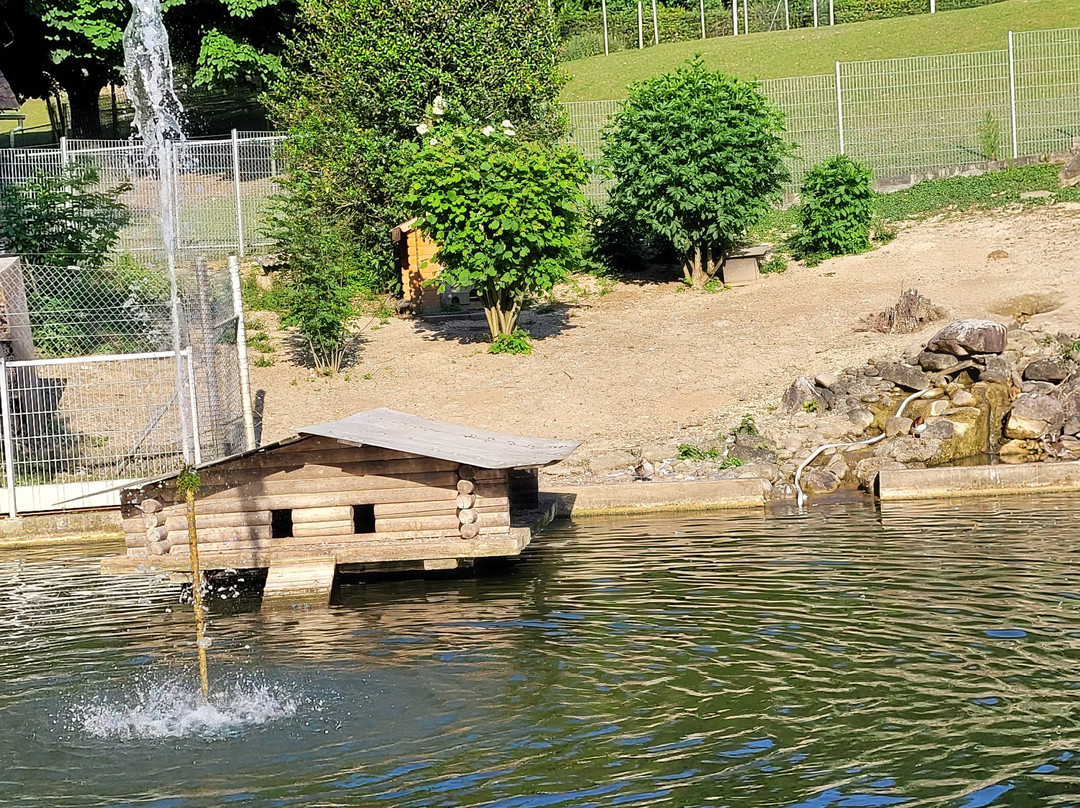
414 498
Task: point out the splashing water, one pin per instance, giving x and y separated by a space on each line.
175 709
148 70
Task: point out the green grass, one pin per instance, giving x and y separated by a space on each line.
810 51
36 112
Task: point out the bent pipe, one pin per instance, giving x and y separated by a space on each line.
868 442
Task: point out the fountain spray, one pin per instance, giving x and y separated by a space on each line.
149 72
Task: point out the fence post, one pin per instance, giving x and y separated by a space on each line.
832 12
745 17
655 25
9 442
933 6
839 108
236 183
787 16
193 404
63 151
603 12
242 354
734 17
640 28
815 14
1012 96
735 2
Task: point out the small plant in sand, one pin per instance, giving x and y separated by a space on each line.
516 343
746 427
688 452
731 463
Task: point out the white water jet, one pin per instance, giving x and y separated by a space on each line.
148 70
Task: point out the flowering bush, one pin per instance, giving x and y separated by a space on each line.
504 212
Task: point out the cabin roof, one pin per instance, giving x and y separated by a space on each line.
7 96
399 431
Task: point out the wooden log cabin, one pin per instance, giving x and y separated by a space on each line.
379 489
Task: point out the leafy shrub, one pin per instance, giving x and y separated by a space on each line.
688 452
990 136
515 343
836 208
746 426
697 158
62 219
504 212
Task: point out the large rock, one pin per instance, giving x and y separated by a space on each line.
1035 416
799 394
1047 370
866 470
752 454
1070 174
928 360
998 369
967 337
819 481
1068 395
904 376
898 425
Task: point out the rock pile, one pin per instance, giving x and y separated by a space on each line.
988 390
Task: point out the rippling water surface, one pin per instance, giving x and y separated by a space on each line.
852 656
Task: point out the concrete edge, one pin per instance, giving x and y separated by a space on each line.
37 530
650 497
977 481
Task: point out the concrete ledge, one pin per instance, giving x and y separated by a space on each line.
647 497
976 481
47 528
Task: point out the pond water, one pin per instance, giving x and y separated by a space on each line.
917 654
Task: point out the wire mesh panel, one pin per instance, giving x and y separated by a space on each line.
810 120
19 165
905 115
258 170
206 217
1047 65
80 424
586 120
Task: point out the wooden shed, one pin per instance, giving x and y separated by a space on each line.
377 488
416 259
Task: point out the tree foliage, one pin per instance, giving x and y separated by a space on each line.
77 45
836 209
360 76
504 212
697 157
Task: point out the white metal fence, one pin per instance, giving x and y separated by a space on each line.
901 116
93 393
223 187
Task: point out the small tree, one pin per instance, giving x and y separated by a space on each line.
837 205
505 214
697 158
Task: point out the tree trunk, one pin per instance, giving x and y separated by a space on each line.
699 274
85 101
501 308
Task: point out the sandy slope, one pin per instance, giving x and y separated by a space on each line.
655 362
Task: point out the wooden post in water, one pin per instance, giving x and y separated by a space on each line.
188 482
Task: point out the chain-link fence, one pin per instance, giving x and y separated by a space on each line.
92 388
903 116
222 188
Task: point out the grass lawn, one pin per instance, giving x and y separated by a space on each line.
37 114
810 51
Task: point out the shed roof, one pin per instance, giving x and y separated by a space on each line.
399 431
7 95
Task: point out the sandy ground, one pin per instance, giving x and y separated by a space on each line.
655 363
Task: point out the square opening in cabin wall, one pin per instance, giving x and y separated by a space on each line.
281 523
363 518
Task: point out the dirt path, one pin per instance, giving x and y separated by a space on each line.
656 363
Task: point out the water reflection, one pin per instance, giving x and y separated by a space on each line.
852 656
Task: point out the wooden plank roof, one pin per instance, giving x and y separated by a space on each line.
399 431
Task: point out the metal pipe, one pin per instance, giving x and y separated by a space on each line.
239 198
9 440
242 354
193 403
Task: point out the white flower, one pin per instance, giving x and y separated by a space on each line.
509 132
488 131
422 129
506 125
438 106
433 142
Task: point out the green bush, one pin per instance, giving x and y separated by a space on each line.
505 213
517 342
61 219
697 158
836 208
